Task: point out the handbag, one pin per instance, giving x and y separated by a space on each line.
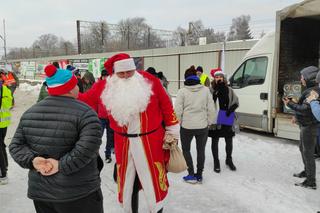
223 119
176 163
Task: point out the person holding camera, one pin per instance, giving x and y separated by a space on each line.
308 125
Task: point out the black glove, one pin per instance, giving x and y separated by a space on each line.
228 113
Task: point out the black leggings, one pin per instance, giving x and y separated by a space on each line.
215 147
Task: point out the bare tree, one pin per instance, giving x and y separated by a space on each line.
212 36
98 36
180 36
136 34
48 43
66 47
240 29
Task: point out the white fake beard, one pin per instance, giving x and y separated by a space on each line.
125 98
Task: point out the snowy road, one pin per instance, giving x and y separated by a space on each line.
263 182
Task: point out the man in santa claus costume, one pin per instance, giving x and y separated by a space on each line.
140 113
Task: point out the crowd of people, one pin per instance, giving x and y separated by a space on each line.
58 138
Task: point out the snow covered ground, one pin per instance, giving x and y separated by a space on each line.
262 183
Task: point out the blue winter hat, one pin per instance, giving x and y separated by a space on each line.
59 81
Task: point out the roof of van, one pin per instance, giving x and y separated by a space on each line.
302 9
262 47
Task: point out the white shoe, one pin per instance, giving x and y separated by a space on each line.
4 180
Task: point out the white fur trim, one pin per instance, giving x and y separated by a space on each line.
128 185
124 65
174 130
141 164
218 73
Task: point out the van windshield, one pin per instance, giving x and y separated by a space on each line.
251 72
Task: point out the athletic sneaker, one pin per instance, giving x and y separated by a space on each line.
190 179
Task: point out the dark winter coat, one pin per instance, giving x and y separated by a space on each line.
69 131
303 113
228 101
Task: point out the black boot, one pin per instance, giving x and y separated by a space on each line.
230 164
307 184
216 167
300 174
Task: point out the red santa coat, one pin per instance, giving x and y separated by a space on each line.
143 155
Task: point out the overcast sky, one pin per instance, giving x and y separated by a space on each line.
26 20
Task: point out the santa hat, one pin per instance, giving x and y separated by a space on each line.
216 72
120 62
59 81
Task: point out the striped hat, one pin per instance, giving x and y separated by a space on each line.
59 81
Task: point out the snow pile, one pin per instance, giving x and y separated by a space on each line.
35 89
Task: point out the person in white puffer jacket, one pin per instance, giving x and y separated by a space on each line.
194 108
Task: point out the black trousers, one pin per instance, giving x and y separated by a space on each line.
93 203
308 141
3 153
135 197
201 136
215 147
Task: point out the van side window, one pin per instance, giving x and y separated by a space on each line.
251 72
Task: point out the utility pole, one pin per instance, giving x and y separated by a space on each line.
78 36
4 41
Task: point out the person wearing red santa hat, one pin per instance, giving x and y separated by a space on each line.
140 113
226 100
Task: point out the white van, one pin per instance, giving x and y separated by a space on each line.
270 70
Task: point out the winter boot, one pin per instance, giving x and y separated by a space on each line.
230 164
307 184
216 167
302 174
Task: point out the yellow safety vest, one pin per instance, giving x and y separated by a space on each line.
5 114
203 78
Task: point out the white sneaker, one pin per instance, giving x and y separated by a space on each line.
4 180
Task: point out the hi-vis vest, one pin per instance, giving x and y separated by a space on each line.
9 79
203 78
6 104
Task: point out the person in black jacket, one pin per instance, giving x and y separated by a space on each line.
228 101
58 140
308 125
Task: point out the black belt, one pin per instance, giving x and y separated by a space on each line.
136 135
